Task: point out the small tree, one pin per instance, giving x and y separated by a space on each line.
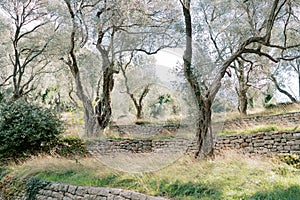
144 80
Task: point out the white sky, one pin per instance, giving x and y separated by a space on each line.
166 60
169 57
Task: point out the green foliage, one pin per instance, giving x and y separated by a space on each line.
189 189
290 159
71 146
162 99
258 129
142 122
11 187
26 129
269 105
4 94
33 186
278 192
268 98
1 96
219 106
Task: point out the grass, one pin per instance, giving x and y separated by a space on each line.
228 176
281 108
258 129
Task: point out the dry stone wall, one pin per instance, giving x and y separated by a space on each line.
57 191
261 143
288 119
272 142
173 145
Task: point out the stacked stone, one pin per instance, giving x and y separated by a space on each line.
139 146
271 142
172 145
55 191
121 146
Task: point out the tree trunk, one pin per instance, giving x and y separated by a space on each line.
243 102
139 112
103 111
91 125
139 104
92 129
243 80
299 85
204 136
203 98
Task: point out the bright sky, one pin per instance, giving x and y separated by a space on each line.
169 57
166 60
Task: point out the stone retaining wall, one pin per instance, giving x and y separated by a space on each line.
144 130
289 119
54 191
173 145
261 143
271 142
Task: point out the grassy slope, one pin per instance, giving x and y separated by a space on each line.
259 129
278 109
230 176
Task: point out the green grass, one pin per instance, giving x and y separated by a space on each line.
280 108
258 129
228 176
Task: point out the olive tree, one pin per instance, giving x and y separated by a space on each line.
129 26
114 27
32 28
137 72
261 43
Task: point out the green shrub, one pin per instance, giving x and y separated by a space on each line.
12 187
70 147
269 105
34 185
290 159
26 129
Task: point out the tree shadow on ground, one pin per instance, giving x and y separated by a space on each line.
278 192
170 189
189 190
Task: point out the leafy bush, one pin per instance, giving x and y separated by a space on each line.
26 129
34 185
12 187
70 147
269 105
290 159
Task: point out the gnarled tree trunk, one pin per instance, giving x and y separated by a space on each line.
203 99
91 126
205 95
243 102
204 135
103 107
